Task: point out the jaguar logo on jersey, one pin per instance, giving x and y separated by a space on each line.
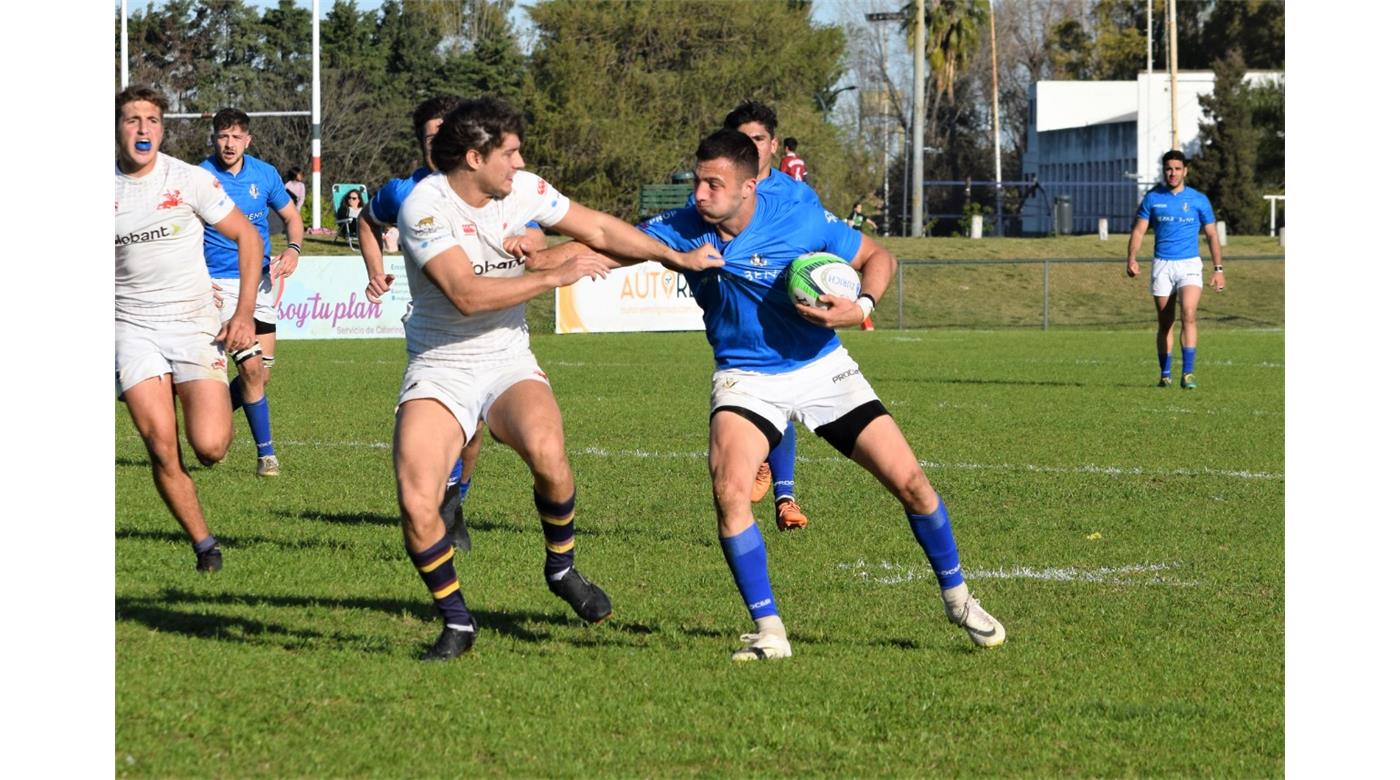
171 200
425 222
253 190
425 227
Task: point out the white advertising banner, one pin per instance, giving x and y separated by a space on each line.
325 299
646 296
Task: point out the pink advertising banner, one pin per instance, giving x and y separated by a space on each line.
325 299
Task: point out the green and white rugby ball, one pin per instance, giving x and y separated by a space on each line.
812 275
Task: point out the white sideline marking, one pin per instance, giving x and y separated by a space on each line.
1130 574
1114 471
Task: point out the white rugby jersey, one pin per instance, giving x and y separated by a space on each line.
434 219
160 240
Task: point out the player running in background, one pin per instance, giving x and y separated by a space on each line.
776 362
469 353
1177 214
758 121
383 212
256 188
169 340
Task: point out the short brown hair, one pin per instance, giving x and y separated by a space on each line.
139 92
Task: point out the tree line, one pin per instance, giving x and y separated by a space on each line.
618 92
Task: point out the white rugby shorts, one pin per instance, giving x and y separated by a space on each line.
264 309
1168 276
467 391
820 392
185 349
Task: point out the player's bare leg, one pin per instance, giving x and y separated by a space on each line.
152 407
526 418
1166 319
427 438
737 446
883 451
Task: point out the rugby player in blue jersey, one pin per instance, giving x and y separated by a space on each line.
1177 214
759 122
776 362
256 188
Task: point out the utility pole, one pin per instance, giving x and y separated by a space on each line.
920 57
1171 29
996 116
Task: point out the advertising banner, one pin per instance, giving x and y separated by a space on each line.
646 296
325 299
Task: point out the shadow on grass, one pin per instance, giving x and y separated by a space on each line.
188 613
228 541
341 518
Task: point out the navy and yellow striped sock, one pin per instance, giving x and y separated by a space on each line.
557 520
435 567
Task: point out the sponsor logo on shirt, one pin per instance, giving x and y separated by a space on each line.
468 229
141 237
539 186
847 374
171 200
219 364
832 217
488 267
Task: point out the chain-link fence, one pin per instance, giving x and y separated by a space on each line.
1068 293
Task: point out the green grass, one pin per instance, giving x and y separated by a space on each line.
1130 538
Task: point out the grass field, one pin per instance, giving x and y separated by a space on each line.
1130 538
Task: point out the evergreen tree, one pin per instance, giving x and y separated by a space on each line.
1224 169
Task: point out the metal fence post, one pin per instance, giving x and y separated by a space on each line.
899 286
1045 299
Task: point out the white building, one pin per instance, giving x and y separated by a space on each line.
1101 143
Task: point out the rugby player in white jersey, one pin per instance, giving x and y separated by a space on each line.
469 353
170 342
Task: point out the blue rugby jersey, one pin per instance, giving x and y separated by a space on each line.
749 320
384 206
1176 219
256 188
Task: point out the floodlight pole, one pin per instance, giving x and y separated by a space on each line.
1171 28
996 116
1145 179
315 114
920 57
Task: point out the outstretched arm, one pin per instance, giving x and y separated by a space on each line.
626 244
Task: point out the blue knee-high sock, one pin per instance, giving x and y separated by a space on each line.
260 423
783 461
455 477
464 487
748 562
1164 359
935 535
1188 360
235 392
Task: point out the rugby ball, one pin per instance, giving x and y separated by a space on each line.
812 275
